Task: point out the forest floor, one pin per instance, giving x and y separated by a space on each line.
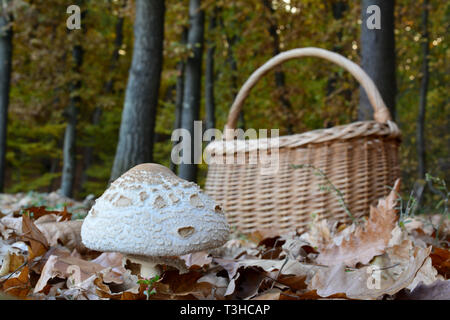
385 256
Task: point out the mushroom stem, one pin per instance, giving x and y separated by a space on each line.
149 266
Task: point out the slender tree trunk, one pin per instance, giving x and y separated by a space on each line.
141 98
423 93
210 75
6 34
179 87
280 81
192 85
231 40
107 89
338 9
232 64
378 56
71 113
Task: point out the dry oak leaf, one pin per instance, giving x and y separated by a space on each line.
441 261
67 233
174 286
367 241
426 275
271 294
439 290
18 286
62 265
34 236
219 284
128 290
85 290
289 267
196 259
37 212
358 283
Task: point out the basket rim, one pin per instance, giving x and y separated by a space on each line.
349 131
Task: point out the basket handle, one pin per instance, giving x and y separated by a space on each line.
381 112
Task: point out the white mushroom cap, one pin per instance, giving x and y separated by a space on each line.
150 211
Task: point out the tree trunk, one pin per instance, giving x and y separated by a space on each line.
234 79
209 75
192 85
280 81
378 56
423 93
338 8
71 114
6 34
179 87
141 98
107 89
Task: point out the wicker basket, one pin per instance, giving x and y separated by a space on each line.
359 159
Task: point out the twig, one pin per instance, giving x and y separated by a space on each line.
18 268
279 271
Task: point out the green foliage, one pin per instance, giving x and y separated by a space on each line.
149 283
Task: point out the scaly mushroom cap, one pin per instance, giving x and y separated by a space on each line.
150 211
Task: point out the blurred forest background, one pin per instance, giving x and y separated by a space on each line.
73 83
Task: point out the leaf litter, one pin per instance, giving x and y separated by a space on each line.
42 258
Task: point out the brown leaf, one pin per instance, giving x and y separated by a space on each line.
34 236
308 295
129 290
246 284
293 282
196 259
219 284
426 275
37 212
272 294
367 241
439 290
289 267
18 286
355 283
182 286
441 261
67 233
62 265
113 260
262 235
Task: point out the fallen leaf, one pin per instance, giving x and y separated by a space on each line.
196 259
66 233
38 212
272 294
64 266
86 290
246 284
366 241
219 284
441 261
358 283
113 260
289 267
18 286
426 275
439 290
34 236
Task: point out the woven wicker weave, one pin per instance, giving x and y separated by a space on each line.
360 159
